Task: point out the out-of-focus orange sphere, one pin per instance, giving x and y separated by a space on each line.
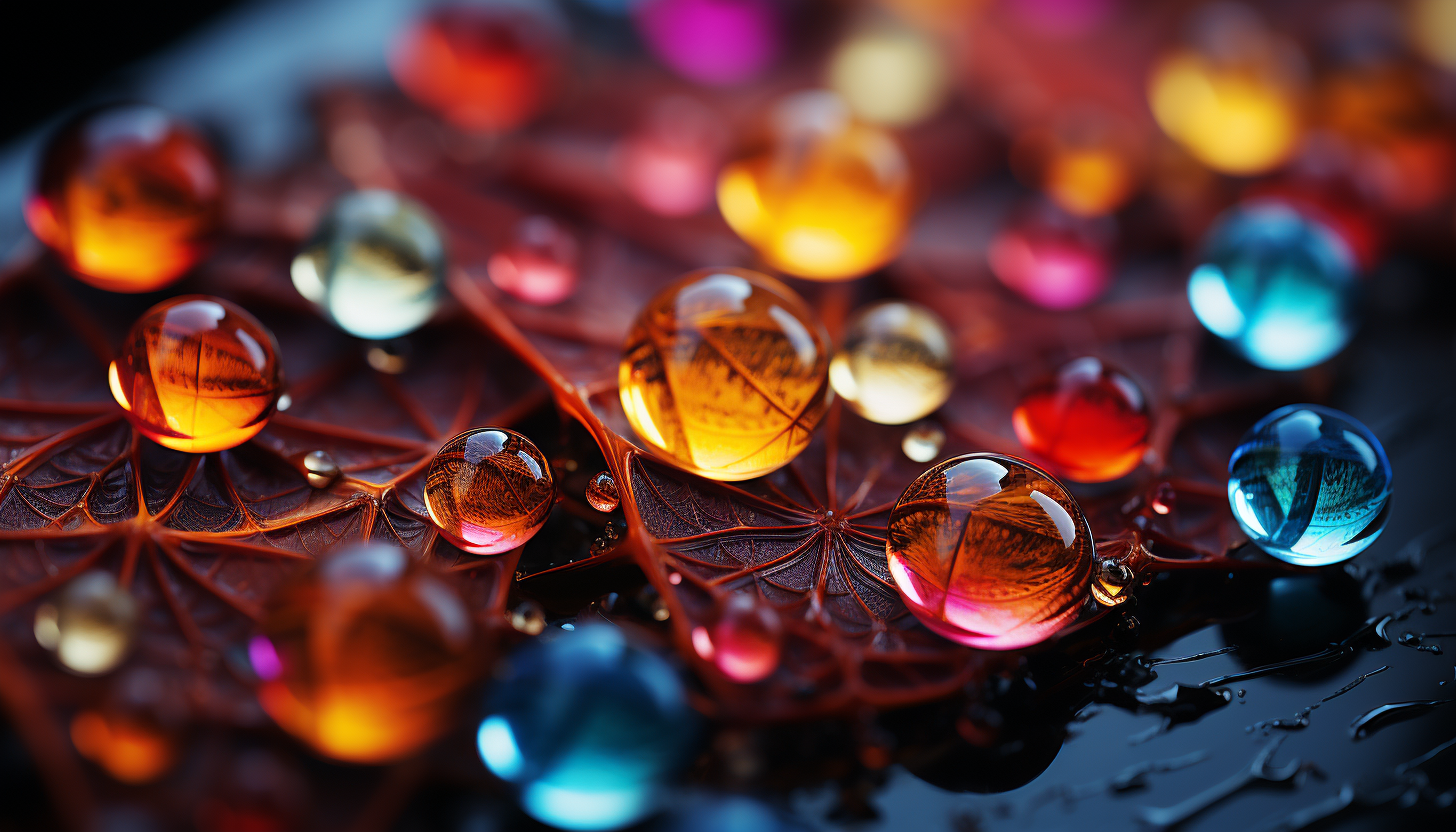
1087 172
828 199
484 67
130 748
366 656
128 197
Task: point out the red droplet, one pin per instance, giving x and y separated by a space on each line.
746 640
1164 498
1089 421
539 266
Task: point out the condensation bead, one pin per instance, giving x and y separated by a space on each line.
375 264
895 365
601 492
747 639
197 374
90 626
1089 420
489 490
923 441
1310 485
990 551
726 374
539 265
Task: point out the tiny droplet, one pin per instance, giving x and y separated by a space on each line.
923 441
320 469
528 617
1164 498
601 492
91 625
388 357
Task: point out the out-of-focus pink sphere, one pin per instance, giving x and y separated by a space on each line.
1056 262
746 641
712 41
540 265
670 166
1062 18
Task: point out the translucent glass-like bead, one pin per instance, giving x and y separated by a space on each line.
129 746
128 197
365 656
197 374
747 639
990 551
90 626
1280 287
1089 420
539 265
890 75
726 374
670 164
1052 259
1310 485
588 726
828 199
895 363
485 67
375 264
712 41
601 492
489 490
923 441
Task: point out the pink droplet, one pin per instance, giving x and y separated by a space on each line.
702 643
264 658
540 265
712 41
747 639
670 166
1164 498
1053 260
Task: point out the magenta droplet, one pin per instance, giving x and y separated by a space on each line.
712 41
264 658
540 265
1053 260
1164 498
747 639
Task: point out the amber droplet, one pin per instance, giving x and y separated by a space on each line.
601 492
747 639
320 469
828 199
990 551
489 490
391 357
1164 498
539 264
726 374
90 626
128 197
366 655
1089 421
130 747
528 617
895 364
484 67
197 374
923 441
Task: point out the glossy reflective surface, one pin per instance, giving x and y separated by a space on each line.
1280 287
1089 420
1310 485
375 264
197 374
128 197
601 492
588 726
726 374
1052 259
365 655
485 67
489 490
90 625
540 263
747 639
829 199
712 41
895 363
990 551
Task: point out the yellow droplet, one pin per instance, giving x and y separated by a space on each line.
91 625
890 76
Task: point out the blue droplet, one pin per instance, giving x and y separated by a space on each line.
1280 287
1310 485
589 726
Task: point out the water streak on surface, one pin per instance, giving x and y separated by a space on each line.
1376 718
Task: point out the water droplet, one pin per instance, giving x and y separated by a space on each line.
320 469
601 492
1164 498
528 617
90 626
923 441
746 640
390 357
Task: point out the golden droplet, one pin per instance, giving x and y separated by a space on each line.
601 492
90 626
923 441
528 617
132 749
320 469
389 358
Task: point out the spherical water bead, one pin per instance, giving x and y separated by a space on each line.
601 492
828 199
197 374
990 551
923 441
726 373
669 165
716 42
130 747
484 67
320 469
895 365
1280 287
128 197
539 265
1053 260
1089 420
891 76
1234 102
375 264
489 490
365 656
91 625
1310 485
747 639
595 752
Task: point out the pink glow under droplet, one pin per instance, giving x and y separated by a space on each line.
712 41
747 640
1052 266
540 265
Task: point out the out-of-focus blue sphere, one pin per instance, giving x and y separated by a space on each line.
1310 485
588 726
1282 288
